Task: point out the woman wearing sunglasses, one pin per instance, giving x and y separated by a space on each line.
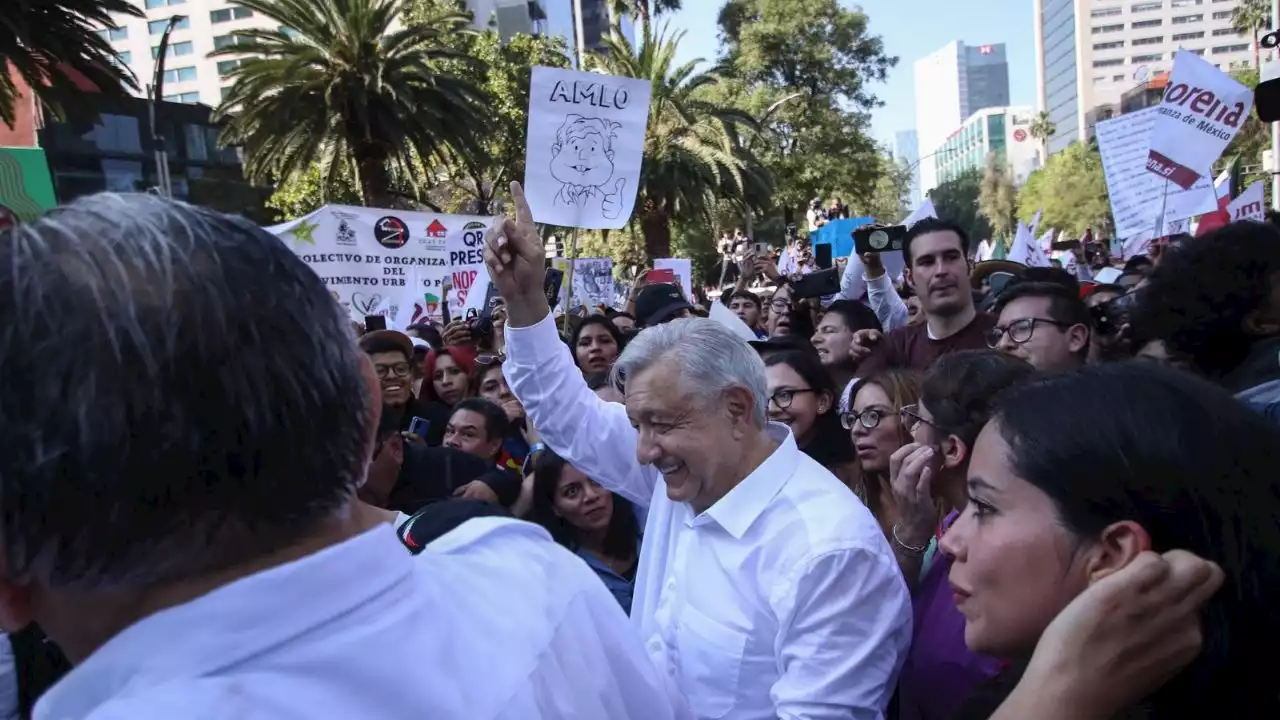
802 396
877 430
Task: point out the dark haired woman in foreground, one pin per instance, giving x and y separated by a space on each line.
1063 496
598 525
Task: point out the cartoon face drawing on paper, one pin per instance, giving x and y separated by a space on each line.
582 160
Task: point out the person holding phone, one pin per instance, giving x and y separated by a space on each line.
392 355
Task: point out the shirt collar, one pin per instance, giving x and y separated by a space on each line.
739 508
235 622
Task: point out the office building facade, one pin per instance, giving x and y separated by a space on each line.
950 85
906 150
1090 53
1005 131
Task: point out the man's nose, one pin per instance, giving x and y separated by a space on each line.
647 451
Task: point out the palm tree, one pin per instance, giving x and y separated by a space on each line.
641 10
1042 128
1250 16
693 151
45 41
335 84
997 198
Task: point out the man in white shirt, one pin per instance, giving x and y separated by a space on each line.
188 419
765 588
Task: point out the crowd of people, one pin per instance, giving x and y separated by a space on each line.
1000 492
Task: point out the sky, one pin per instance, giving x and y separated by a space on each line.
898 22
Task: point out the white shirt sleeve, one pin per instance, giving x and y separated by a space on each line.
594 436
886 303
838 664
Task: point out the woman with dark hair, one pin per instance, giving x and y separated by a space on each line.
1064 494
927 476
598 525
802 397
596 344
874 422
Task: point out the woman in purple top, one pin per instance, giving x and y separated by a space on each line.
928 479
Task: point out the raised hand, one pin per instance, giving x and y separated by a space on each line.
516 261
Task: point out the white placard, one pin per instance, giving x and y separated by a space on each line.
1201 110
584 148
1135 193
376 261
593 282
682 268
1250 205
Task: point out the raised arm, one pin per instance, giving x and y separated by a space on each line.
594 436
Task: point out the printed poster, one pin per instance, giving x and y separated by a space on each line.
585 146
1137 195
1201 110
388 262
682 268
1250 205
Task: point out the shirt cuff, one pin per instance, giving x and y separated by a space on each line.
534 344
882 283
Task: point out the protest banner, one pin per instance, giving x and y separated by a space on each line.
1201 110
585 145
377 261
1251 205
682 268
1137 195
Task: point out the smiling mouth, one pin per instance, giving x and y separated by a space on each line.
581 169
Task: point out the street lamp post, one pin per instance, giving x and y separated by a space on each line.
156 91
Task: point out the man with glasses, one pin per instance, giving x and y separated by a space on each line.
1043 323
392 356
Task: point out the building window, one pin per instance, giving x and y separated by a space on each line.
222 41
1149 40
1147 58
225 92
1223 49
111 34
1222 15
1105 12
1117 78
183 48
1141 24
1186 3
1102 29
185 74
1220 32
1107 63
1186 19
1188 36
186 97
229 14
152 4
1145 6
125 57
1197 51
226 66
1108 45
155 27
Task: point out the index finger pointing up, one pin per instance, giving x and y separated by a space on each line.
524 215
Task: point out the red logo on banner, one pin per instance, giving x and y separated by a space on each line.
437 230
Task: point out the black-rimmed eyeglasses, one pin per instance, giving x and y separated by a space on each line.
1020 331
782 398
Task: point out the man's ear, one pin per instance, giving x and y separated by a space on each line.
555 149
609 154
906 277
1116 547
495 444
739 405
824 402
1077 338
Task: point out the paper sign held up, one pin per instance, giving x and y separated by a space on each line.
585 146
1202 109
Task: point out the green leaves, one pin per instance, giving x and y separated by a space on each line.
957 200
346 91
41 39
1072 191
996 196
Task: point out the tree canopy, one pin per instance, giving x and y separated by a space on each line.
957 200
1071 190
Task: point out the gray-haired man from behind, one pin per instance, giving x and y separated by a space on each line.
765 588
187 419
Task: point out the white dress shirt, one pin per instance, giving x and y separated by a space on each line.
782 600
494 620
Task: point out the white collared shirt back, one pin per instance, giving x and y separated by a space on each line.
781 601
493 621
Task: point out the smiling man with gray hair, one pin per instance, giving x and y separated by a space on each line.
187 419
765 588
